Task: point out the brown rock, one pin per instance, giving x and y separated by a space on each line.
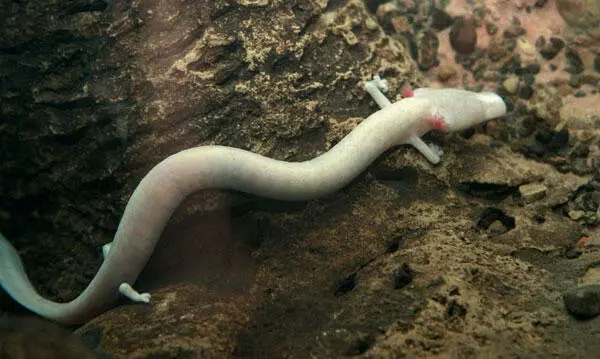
463 35
181 320
35 338
446 72
427 44
580 13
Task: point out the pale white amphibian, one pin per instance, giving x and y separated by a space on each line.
162 190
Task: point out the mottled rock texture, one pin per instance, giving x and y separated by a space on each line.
93 94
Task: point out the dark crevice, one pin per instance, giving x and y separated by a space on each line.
491 191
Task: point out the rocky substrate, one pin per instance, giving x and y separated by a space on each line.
493 253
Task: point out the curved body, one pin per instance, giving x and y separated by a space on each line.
162 190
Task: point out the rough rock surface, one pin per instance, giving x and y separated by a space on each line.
409 260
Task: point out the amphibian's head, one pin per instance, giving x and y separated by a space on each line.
461 109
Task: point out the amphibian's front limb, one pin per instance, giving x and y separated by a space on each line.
450 110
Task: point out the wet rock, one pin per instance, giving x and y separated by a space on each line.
583 302
497 228
491 28
392 19
528 78
574 62
34 338
532 192
182 321
514 31
440 20
584 14
581 113
533 68
511 84
446 72
575 81
549 49
546 104
557 42
427 48
498 49
526 92
511 64
490 75
590 79
585 205
463 35
553 140
372 5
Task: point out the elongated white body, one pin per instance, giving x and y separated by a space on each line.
162 190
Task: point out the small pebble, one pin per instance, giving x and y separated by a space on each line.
496 50
491 28
532 192
525 46
574 81
512 64
511 84
540 42
514 31
576 214
490 75
574 62
497 228
565 90
526 92
446 72
533 68
463 35
557 42
583 302
400 24
528 78
550 49
590 79
427 49
440 19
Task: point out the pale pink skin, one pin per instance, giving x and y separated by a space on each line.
162 190
437 122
